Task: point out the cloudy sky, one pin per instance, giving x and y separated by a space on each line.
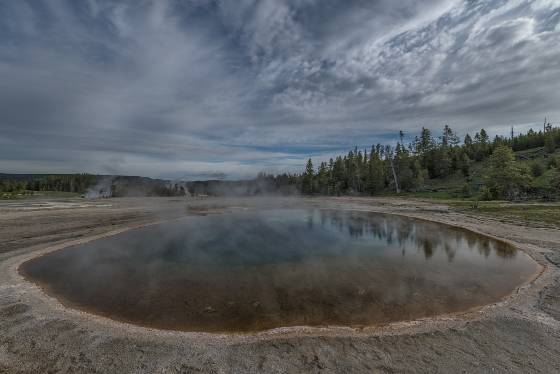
197 88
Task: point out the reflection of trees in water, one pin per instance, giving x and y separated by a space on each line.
428 238
428 247
356 227
471 240
310 222
504 250
425 236
377 228
450 250
484 247
323 217
332 218
404 230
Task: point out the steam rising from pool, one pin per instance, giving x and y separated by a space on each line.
260 269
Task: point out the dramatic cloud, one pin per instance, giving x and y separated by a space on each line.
175 88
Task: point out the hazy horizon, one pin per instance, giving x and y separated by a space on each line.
203 88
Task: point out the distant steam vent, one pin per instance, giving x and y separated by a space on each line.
132 186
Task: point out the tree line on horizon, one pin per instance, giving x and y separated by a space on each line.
489 169
407 167
117 186
77 183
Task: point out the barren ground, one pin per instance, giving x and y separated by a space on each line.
38 335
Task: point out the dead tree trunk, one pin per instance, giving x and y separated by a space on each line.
394 175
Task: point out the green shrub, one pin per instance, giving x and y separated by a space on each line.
466 190
553 162
504 177
487 194
537 169
549 145
555 182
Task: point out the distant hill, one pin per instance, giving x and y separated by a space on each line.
87 184
22 177
95 186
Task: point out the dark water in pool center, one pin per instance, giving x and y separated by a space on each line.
256 270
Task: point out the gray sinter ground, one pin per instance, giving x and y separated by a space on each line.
521 334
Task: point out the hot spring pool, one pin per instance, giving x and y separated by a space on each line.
254 270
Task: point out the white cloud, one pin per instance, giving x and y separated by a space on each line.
216 85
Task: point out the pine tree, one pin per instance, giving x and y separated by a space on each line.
322 179
376 174
308 178
505 178
549 145
448 138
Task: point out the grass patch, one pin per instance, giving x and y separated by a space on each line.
433 195
548 213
